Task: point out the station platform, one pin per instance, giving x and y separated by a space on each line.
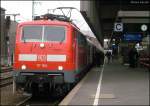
111 84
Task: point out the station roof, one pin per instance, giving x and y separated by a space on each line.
102 14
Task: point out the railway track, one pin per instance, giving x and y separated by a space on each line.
39 101
6 78
6 82
21 103
42 100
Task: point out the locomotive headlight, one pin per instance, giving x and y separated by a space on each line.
23 67
60 67
42 45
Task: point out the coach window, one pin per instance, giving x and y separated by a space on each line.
32 33
54 33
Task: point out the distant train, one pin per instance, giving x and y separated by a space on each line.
50 55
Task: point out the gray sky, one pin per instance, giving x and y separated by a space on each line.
24 8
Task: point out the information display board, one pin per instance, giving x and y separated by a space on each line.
132 37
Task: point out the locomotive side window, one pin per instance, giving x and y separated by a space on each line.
81 39
54 33
32 33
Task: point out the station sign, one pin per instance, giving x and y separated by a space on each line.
118 27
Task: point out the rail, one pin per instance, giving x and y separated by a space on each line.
32 101
6 82
23 101
6 78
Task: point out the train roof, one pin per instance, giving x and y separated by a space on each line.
45 22
48 22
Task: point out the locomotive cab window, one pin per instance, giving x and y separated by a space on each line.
54 33
43 33
32 33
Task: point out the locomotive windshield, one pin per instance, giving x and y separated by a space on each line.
32 33
43 33
52 33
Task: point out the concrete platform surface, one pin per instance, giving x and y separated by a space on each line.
116 85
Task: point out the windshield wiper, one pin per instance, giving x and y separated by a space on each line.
24 40
62 40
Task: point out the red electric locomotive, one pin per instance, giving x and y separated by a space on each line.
49 54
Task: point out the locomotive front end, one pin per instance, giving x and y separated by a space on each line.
43 55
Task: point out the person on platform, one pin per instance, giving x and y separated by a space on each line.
133 57
108 55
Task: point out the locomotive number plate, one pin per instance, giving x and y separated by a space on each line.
41 57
